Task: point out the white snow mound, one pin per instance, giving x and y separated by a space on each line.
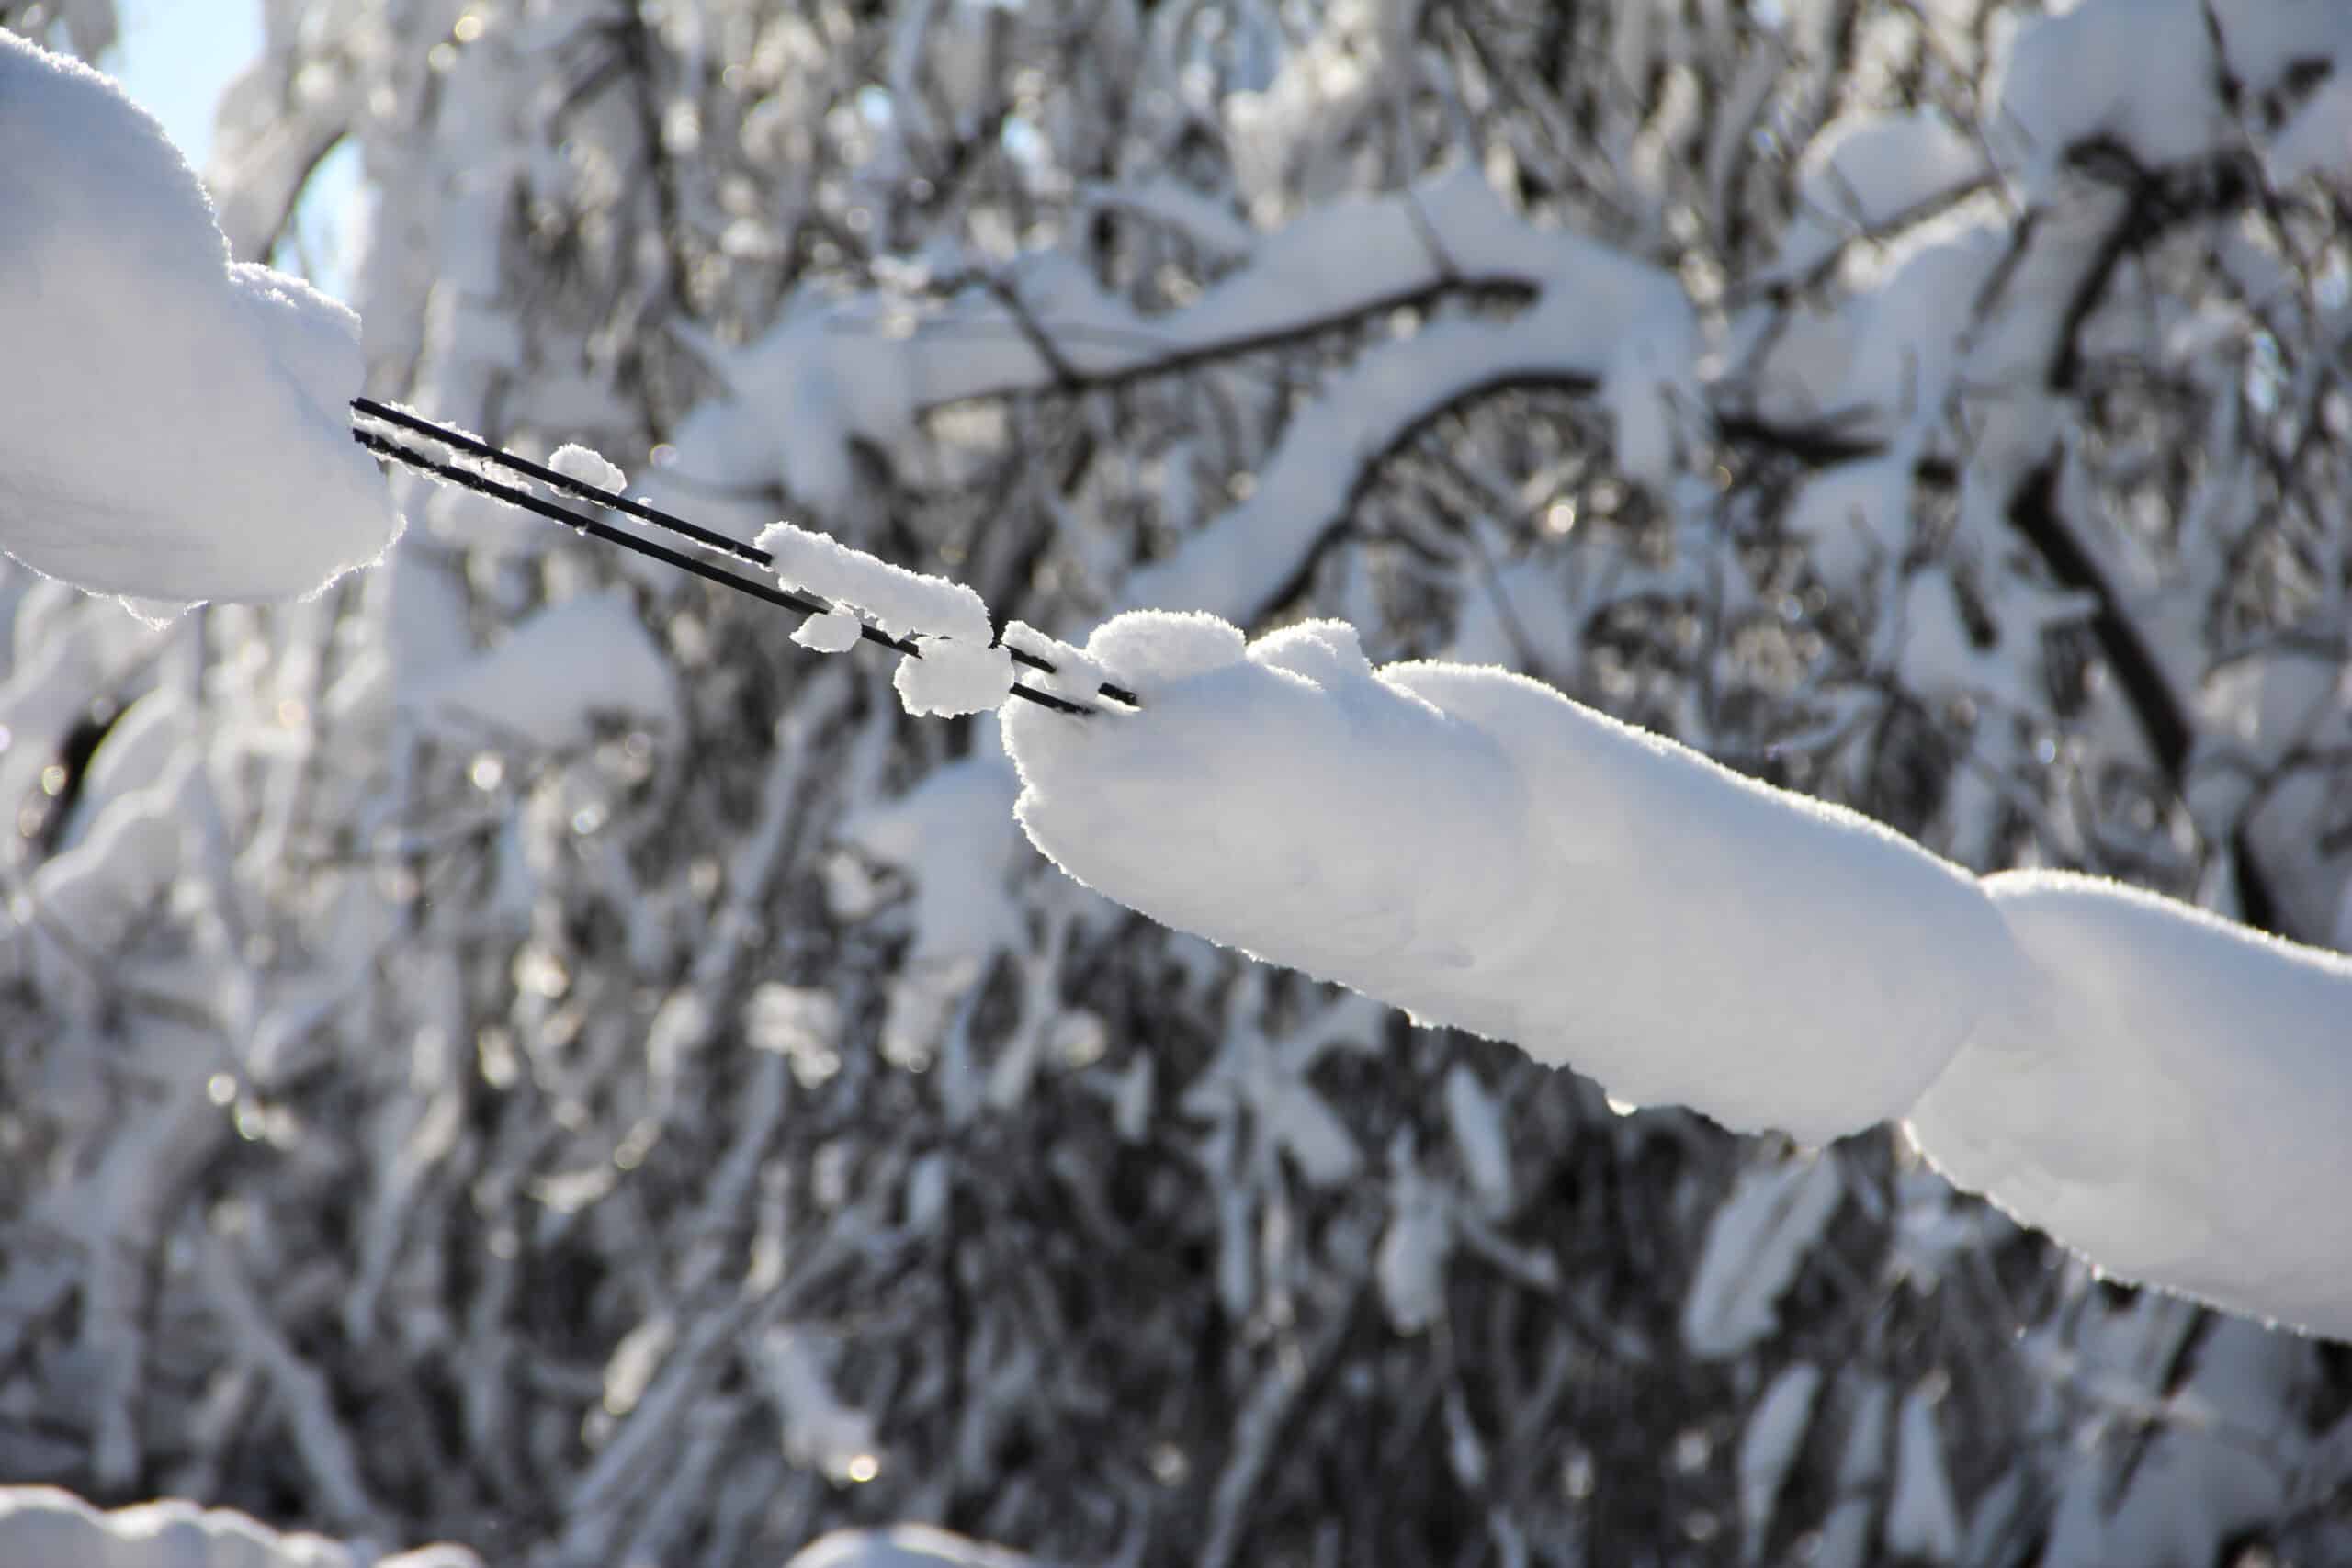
2166 1092
1474 847
2157 1087
175 425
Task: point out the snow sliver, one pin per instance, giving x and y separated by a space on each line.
2167 1093
179 431
1473 847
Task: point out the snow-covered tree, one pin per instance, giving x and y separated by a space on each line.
514 1050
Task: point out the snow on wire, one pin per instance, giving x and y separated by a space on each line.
2158 1088
468 455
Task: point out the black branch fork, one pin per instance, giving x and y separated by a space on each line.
383 445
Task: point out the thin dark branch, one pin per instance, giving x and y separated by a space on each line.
604 532
643 511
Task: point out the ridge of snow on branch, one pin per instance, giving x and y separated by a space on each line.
901 602
2156 1087
1476 849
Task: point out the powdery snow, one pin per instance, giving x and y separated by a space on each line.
2166 1092
588 467
900 601
951 676
1472 846
177 429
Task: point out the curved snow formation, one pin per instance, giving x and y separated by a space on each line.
1474 847
175 429
2161 1090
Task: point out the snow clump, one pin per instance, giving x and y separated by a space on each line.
586 465
951 677
900 602
177 427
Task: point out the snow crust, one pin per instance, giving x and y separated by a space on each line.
177 430
900 602
2166 1092
1472 846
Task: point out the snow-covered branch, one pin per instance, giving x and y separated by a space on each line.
1477 849
519 1049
